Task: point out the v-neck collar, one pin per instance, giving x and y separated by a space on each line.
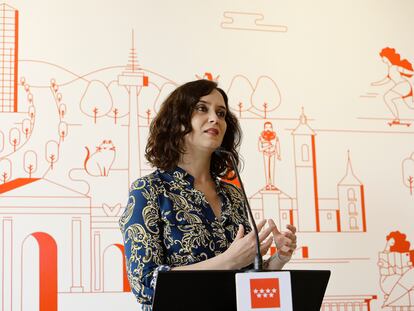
182 177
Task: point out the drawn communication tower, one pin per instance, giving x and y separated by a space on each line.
9 26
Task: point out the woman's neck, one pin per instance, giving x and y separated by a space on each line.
197 166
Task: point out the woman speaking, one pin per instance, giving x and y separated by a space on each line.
183 216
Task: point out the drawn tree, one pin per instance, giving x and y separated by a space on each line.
410 183
63 130
62 110
32 112
148 112
30 97
5 170
239 93
30 162
95 113
115 111
14 137
120 100
266 95
96 101
52 152
26 126
166 90
55 88
408 172
1 141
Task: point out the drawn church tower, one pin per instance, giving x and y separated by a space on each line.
306 176
351 202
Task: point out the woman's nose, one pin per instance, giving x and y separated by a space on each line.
213 118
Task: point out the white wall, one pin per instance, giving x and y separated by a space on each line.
311 58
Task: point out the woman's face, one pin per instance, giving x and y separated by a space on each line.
208 124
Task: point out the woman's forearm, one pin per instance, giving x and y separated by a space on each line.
219 262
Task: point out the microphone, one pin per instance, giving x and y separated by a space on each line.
258 261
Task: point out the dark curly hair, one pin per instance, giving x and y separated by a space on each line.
173 121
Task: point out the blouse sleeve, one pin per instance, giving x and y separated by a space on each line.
141 228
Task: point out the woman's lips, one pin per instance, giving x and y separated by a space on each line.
212 131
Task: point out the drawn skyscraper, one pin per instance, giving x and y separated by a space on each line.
9 44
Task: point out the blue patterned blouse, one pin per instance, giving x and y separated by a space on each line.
168 223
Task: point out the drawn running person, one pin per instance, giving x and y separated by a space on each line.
402 91
270 147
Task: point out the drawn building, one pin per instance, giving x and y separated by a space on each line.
9 44
308 211
306 174
348 302
52 242
351 202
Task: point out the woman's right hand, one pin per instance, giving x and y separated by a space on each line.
242 251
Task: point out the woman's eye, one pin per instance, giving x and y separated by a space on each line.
221 114
201 108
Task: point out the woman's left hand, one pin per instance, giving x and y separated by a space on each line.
285 241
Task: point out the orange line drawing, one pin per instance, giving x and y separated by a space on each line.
126 286
347 302
248 21
408 172
16 183
315 185
5 170
112 210
94 233
9 44
16 57
90 106
134 80
48 272
19 135
100 162
84 77
208 76
396 265
401 91
269 145
257 101
344 213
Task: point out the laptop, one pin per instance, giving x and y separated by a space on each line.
215 290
